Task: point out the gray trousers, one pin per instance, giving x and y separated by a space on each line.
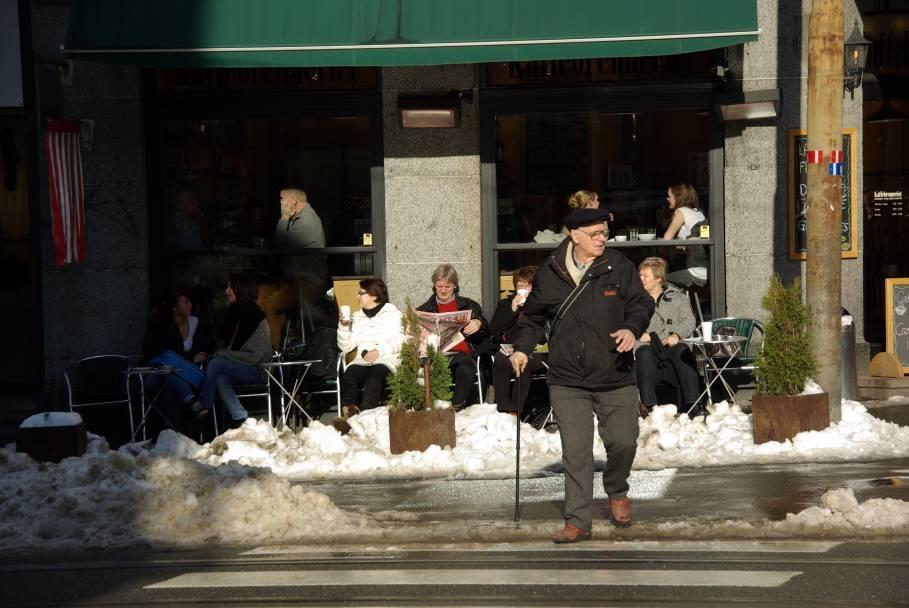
616 412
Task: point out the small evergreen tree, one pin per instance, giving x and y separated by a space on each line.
785 361
406 391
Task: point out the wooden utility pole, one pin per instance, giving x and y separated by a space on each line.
825 136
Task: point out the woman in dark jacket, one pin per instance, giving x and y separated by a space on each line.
503 331
247 344
177 330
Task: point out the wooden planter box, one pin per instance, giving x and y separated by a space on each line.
51 443
409 430
778 418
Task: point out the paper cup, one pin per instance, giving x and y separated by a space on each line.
707 330
345 312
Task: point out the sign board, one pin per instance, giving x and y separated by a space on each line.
797 208
896 313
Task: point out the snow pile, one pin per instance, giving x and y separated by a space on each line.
486 445
115 499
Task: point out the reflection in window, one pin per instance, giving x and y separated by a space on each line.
629 159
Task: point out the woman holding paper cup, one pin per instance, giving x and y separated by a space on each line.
503 331
374 333
661 355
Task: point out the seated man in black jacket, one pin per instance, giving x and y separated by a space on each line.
463 361
503 330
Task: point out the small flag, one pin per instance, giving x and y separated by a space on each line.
64 164
815 156
836 156
836 168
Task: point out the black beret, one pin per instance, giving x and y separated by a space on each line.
582 217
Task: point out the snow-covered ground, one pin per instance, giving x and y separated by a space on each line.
241 488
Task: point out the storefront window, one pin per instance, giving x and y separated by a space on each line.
219 193
628 159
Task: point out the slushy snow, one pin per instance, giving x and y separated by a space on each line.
249 485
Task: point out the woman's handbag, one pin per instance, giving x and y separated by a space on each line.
183 368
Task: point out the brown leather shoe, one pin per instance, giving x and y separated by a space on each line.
571 534
620 511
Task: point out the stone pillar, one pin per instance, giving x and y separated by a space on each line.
432 187
756 193
98 305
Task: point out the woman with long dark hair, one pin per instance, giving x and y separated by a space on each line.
686 213
247 343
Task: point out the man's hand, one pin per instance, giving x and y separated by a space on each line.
624 340
472 327
372 356
671 340
200 358
518 362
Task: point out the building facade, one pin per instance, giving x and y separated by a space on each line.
182 167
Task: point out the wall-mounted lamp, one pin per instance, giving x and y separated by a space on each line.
748 105
432 111
854 59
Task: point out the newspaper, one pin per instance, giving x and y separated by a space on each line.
446 325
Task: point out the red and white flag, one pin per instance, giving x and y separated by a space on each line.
64 165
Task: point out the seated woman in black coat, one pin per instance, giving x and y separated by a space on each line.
174 328
503 331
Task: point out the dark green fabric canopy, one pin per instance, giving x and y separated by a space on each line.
299 33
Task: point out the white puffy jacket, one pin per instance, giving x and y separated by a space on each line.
382 332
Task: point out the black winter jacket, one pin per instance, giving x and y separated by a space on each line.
581 352
474 341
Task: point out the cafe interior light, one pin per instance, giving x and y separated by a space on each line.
749 105
430 112
854 59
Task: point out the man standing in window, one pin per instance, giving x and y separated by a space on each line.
597 308
300 228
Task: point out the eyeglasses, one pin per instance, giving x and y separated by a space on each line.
598 234
362 293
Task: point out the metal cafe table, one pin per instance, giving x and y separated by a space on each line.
146 403
277 373
735 343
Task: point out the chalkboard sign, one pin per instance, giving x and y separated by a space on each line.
797 210
896 311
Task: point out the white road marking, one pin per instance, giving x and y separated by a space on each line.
524 578
669 546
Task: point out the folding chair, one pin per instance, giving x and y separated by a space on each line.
99 381
743 361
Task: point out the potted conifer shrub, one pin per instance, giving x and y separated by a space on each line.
417 385
778 409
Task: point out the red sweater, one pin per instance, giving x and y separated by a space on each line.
452 306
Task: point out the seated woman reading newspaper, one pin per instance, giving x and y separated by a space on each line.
463 363
503 330
375 334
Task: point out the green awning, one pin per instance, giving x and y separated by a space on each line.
300 33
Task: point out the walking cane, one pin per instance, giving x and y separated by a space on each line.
517 459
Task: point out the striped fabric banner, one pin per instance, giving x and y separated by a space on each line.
64 164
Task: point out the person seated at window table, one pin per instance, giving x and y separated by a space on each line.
174 328
503 330
588 199
683 200
463 361
374 332
661 355
248 343
300 227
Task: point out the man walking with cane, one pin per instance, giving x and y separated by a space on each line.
597 308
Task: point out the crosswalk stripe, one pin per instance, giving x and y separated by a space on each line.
668 546
509 577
